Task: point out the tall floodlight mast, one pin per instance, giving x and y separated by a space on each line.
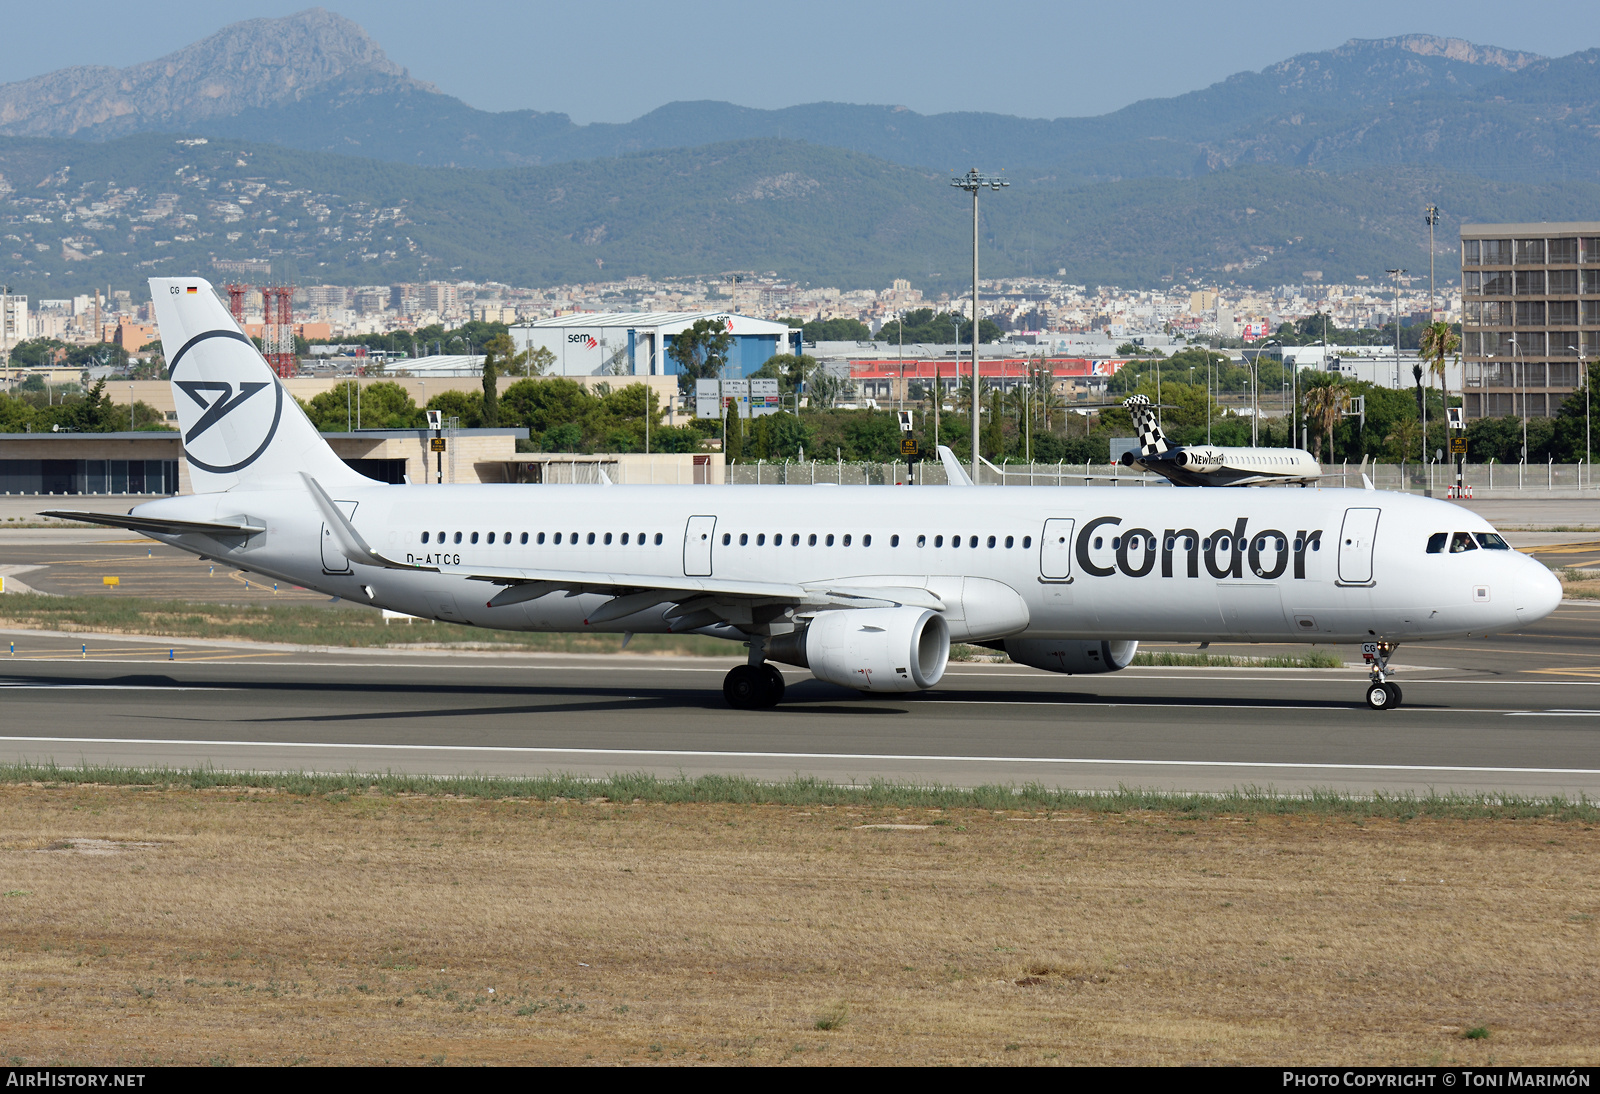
1430 216
972 182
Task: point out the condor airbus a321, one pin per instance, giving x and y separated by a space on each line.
864 586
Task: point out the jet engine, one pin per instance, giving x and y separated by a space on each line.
1199 460
1074 658
870 649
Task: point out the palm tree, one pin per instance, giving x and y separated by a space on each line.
1406 435
1439 341
1325 402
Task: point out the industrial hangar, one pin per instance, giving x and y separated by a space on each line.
637 343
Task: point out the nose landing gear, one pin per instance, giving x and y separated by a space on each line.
1382 694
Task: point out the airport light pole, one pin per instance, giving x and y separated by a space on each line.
1583 371
972 182
1431 217
1520 363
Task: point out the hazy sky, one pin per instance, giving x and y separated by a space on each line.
609 61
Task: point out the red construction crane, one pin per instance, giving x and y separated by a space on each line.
236 294
277 330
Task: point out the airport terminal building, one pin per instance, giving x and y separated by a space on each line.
636 343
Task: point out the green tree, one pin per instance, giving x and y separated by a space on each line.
922 325
733 437
546 403
789 369
993 431
1325 400
16 414
833 330
567 437
530 362
384 405
872 435
758 445
701 353
152 367
498 354
1439 341
467 406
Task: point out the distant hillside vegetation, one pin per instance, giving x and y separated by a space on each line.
74 215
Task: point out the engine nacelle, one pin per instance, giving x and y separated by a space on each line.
1200 460
1075 658
870 649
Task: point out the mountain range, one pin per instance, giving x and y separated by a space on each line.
1321 161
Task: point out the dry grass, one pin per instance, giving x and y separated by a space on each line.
1579 584
253 926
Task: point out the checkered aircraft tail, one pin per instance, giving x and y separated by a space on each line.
1152 442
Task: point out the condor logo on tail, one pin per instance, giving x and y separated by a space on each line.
225 428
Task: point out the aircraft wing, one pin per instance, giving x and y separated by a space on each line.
635 592
698 601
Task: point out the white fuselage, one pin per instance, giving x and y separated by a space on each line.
1321 565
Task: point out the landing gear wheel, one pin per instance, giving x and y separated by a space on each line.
1383 696
774 694
745 687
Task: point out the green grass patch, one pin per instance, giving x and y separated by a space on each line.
832 1017
1477 1033
1314 659
809 791
345 624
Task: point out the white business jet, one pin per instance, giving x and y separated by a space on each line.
1212 465
865 586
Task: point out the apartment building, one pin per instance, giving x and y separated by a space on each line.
439 297
1530 314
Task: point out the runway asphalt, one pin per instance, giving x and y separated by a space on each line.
1517 713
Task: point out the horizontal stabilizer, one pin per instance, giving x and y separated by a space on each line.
156 524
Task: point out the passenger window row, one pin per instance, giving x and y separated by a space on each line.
794 539
574 538
828 539
972 541
1457 542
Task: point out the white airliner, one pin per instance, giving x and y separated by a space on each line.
1212 465
865 586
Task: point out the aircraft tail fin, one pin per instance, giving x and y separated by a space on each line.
955 474
1152 442
240 426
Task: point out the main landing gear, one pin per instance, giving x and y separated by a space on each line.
1382 694
753 687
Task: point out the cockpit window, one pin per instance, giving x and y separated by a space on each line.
1436 542
1461 541
1492 542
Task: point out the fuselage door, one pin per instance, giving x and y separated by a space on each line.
697 546
333 560
1055 549
1356 539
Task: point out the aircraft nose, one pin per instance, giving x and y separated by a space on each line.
1538 592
